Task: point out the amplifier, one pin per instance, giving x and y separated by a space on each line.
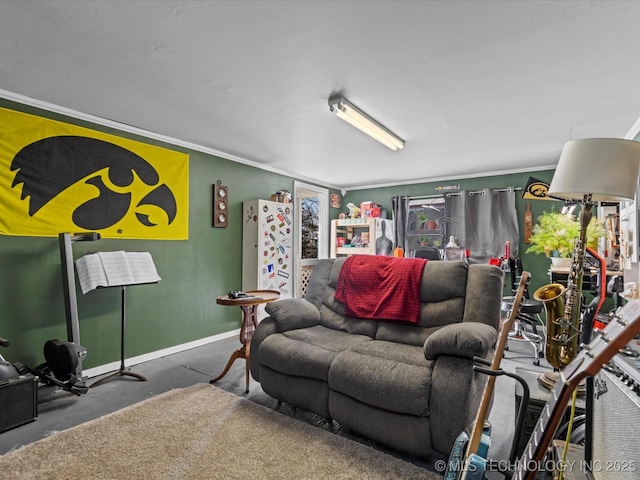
18 401
615 442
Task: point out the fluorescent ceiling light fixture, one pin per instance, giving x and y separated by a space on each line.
363 122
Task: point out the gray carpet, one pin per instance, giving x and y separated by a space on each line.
202 432
59 410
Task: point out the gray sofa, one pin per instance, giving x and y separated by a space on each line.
410 387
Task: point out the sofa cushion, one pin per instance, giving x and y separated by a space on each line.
443 280
445 301
399 431
332 311
387 375
357 326
379 287
409 334
293 313
302 392
320 276
306 352
484 308
442 300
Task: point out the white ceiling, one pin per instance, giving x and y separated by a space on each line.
472 87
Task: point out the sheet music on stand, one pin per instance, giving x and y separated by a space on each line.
113 269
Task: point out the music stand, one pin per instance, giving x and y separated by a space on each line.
117 269
122 371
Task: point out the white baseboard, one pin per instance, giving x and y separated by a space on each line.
113 366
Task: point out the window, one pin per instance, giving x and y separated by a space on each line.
309 224
312 226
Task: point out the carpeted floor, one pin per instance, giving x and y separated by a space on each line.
59 410
202 432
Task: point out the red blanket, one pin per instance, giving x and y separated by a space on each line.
381 288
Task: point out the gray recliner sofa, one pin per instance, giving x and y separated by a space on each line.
410 387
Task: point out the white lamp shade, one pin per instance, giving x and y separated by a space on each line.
607 168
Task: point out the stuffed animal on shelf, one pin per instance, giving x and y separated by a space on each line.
354 211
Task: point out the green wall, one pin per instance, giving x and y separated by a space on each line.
180 309
537 265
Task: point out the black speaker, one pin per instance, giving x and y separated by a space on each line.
18 401
220 205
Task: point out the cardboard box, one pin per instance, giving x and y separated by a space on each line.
369 209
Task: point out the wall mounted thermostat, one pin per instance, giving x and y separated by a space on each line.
220 205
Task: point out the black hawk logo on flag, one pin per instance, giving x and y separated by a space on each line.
49 166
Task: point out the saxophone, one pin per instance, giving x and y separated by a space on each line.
562 305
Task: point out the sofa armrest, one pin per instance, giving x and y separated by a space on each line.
292 313
467 339
266 327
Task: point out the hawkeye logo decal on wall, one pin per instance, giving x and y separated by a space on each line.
56 177
536 190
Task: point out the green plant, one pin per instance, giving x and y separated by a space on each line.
421 220
555 234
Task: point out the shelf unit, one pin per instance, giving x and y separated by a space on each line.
349 227
426 222
434 237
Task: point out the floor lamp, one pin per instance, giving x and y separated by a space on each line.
589 170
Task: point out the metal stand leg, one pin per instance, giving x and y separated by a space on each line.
122 371
533 338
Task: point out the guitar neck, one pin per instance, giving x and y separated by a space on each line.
544 431
483 412
587 363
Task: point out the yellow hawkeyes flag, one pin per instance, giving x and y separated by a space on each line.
56 177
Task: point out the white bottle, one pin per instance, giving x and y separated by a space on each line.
452 250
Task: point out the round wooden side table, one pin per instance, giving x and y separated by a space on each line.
249 306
